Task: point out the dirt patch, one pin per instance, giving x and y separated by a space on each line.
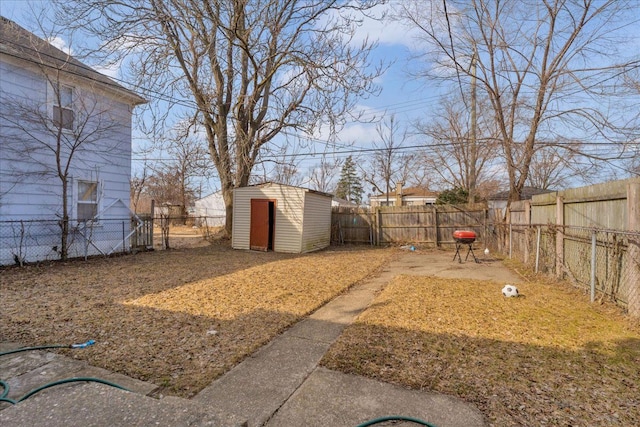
177 318
546 358
182 237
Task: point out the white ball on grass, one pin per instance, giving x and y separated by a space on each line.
510 291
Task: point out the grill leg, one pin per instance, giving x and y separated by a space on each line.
470 251
458 253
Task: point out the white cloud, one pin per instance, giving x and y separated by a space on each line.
377 26
384 29
112 70
61 44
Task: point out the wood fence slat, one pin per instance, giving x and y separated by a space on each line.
427 225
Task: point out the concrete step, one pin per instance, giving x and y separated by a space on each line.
99 405
91 403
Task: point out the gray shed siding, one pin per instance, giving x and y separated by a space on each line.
292 205
317 222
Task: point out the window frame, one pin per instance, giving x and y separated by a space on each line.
58 111
94 188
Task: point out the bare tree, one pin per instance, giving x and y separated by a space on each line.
388 165
249 69
70 126
278 164
459 160
286 173
137 185
188 162
554 168
323 175
549 69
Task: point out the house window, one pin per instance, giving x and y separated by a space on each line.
87 200
63 114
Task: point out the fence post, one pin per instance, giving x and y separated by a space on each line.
537 248
559 237
435 224
593 265
527 233
510 239
379 226
633 265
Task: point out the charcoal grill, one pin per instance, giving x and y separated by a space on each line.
464 237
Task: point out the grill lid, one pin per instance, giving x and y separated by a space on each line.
464 236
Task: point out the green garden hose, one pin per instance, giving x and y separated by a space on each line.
5 386
395 418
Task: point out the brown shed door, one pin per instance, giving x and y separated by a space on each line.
262 224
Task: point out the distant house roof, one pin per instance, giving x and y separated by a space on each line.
337 201
527 193
410 192
23 45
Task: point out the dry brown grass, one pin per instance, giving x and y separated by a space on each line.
177 318
548 358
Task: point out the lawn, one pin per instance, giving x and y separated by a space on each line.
177 318
545 358
181 318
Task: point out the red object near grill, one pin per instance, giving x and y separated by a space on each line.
464 237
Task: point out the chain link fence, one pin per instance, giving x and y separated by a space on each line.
28 241
606 263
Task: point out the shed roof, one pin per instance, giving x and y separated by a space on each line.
23 45
269 183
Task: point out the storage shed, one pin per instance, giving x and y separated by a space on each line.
281 218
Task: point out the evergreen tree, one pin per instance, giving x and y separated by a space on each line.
349 186
455 196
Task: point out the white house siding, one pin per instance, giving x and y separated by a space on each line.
210 210
317 222
29 191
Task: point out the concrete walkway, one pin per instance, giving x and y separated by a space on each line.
280 385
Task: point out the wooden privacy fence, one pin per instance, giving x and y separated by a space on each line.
588 235
425 225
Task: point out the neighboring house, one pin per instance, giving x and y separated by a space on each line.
49 100
411 196
499 200
210 210
338 202
281 218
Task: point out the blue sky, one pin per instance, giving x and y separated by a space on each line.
406 97
400 94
